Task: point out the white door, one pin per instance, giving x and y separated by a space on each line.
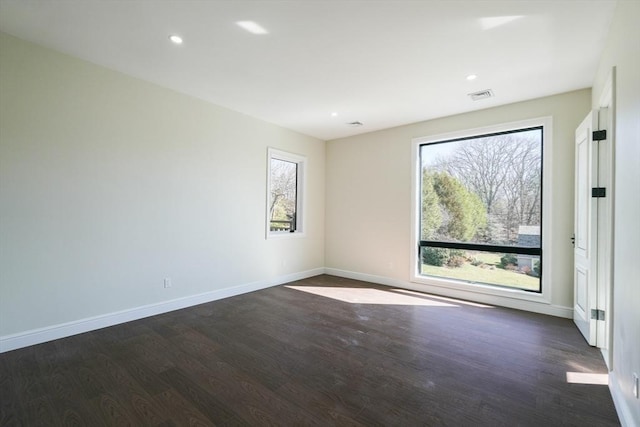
585 230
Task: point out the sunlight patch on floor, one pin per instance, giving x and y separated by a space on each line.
587 378
371 296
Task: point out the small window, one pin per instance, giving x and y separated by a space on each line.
285 187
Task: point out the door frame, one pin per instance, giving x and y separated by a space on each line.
600 224
606 169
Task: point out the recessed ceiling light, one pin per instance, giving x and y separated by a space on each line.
471 77
175 39
252 27
334 114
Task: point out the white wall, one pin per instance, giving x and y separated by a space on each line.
623 51
109 184
368 209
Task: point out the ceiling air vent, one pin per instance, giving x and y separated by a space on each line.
483 94
354 124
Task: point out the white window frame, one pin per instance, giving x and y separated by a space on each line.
301 161
454 287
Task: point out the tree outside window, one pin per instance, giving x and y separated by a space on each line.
285 190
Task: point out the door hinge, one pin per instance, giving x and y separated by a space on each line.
597 314
599 135
599 192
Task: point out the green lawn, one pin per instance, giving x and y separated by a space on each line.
488 273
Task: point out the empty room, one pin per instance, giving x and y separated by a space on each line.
319 212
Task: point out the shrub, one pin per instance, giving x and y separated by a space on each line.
536 268
457 252
435 256
456 261
508 259
476 262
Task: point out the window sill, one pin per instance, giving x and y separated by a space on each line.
478 288
284 235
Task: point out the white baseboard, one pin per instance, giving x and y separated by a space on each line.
623 410
536 307
41 335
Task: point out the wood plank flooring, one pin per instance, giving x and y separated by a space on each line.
286 357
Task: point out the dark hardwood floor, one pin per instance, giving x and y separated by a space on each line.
285 357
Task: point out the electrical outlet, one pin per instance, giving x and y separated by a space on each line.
167 282
635 386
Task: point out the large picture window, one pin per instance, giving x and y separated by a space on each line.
285 186
480 208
